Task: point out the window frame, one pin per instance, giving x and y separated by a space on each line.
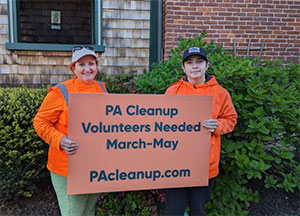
13 43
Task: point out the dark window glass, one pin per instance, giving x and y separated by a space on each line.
55 22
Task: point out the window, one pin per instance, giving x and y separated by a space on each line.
54 24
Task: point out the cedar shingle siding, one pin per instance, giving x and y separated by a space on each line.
126 27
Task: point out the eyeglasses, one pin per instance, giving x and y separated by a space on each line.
76 48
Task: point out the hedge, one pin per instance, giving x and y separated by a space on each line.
265 142
263 146
23 154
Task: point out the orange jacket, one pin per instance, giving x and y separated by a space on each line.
223 111
51 122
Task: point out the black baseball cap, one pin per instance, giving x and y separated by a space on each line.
194 51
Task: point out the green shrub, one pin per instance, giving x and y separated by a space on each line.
165 73
131 203
266 138
22 152
122 83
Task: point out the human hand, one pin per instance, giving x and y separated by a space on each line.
68 145
211 124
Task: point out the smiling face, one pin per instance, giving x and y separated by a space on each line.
195 67
85 69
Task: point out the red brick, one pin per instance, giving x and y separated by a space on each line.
273 45
294 15
253 23
211 4
224 31
258 27
236 31
210 22
189 9
234 10
251 32
181 13
189 17
288 20
225 23
208 13
273 27
231 18
246 27
262 36
290 11
239 14
196 4
262 10
280 15
230 27
246 18
223 9
272 19
265 32
217 18
248 10
180 30
285 28
262 19
210 31
267 23
268 6
181 22
254 5
181 3
203 18
281 6
239 5
197 14
196 23
225 14
252 14
216 27
293 32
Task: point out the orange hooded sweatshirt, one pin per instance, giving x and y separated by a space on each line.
51 122
223 111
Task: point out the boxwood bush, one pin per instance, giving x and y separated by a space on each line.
265 142
22 152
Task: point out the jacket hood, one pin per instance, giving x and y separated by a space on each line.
210 80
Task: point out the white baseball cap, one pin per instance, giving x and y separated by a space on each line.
81 51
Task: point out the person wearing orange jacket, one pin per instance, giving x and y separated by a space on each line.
51 124
224 117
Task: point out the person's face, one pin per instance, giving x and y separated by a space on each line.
85 69
195 67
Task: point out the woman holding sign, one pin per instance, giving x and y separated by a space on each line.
224 117
51 124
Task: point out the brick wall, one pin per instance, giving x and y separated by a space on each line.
275 22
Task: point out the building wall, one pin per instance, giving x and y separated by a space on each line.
277 22
126 27
126 35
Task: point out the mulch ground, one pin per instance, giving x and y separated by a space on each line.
44 203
